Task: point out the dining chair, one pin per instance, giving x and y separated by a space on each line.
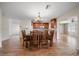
44 40
51 37
24 37
34 41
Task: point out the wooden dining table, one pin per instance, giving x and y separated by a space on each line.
28 36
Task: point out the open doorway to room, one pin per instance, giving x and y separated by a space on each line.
69 31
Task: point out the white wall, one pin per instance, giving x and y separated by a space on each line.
5 27
26 24
29 26
14 26
9 26
23 24
67 15
78 34
0 30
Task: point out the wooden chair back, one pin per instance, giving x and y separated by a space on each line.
34 39
44 40
24 37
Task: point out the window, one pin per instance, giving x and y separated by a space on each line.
72 27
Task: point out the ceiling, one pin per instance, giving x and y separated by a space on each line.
30 9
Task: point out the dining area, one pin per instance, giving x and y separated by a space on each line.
38 29
41 37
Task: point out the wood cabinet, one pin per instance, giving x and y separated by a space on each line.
54 23
46 25
38 25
